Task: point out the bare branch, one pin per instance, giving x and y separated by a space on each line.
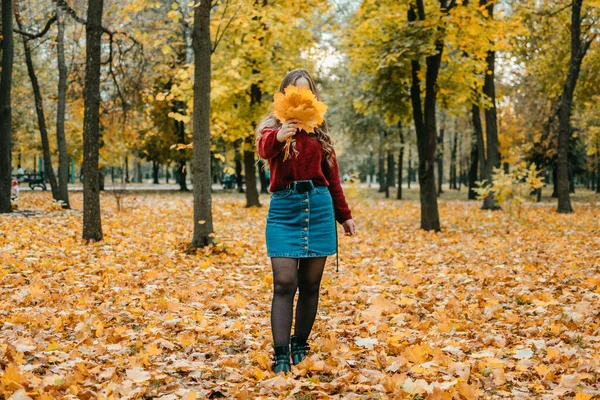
32 36
69 10
218 39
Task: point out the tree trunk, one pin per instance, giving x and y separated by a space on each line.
5 107
391 169
250 173
410 169
371 166
440 161
155 169
389 179
474 165
478 131
381 171
63 154
538 193
39 108
139 176
203 222
400 164
180 173
571 180
252 199
578 51
92 224
554 181
101 179
239 179
425 126
491 124
453 168
188 31
461 173
126 169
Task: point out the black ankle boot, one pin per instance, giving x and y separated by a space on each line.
299 350
282 359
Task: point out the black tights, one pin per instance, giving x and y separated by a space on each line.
287 277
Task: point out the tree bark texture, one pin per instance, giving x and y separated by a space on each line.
92 224
492 158
578 51
5 107
400 164
63 154
203 222
425 126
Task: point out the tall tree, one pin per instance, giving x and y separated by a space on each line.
252 199
39 103
63 155
476 150
381 165
425 121
453 160
92 224
440 160
492 156
203 224
5 107
400 161
579 48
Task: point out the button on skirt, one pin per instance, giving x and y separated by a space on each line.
301 225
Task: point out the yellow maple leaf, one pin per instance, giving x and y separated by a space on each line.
99 328
12 376
187 338
582 396
302 104
37 291
190 395
153 350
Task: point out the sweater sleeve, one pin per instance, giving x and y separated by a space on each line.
332 174
268 145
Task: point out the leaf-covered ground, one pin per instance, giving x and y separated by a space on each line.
488 308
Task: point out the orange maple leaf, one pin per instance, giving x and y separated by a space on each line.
302 104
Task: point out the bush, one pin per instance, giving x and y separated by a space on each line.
511 190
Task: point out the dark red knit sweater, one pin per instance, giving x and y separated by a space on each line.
308 164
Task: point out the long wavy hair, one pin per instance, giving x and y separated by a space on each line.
321 131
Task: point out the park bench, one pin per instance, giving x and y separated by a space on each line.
34 180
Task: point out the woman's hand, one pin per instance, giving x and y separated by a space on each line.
287 130
349 228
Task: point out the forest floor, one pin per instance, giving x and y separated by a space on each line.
370 191
494 306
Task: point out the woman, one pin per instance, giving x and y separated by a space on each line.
306 200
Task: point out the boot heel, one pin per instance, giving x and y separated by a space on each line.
299 350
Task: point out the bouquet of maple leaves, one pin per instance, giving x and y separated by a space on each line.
298 103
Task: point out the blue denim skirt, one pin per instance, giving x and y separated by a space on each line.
301 225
